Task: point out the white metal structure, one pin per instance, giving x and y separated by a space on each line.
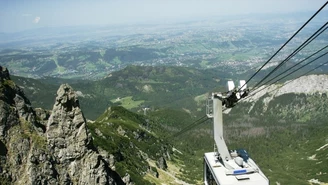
224 167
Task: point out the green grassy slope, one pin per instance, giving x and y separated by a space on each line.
283 139
132 139
171 87
286 140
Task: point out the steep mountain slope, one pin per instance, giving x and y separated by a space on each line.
285 129
57 147
60 152
137 144
134 87
173 87
303 99
40 94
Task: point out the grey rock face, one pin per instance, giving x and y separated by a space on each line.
57 151
20 133
153 171
4 74
70 143
161 163
127 179
305 84
66 129
43 116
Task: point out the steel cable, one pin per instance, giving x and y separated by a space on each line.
283 45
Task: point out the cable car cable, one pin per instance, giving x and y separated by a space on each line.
283 45
291 80
304 44
298 63
309 40
291 73
300 68
251 95
190 125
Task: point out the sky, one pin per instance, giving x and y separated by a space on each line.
20 15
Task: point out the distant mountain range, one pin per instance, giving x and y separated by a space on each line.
119 104
283 128
60 147
236 44
134 87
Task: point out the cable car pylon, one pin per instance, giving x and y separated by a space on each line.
223 166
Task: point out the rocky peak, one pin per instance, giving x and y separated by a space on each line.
70 143
61 153
305 84
4 74
19 130
66 129
67 98
296 93
14 106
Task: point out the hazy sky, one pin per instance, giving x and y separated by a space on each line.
18 15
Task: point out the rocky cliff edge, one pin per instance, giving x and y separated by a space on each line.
57 151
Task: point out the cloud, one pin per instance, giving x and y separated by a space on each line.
36 20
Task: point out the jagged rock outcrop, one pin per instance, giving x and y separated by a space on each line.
301 100
71 144
14 104
42 116
20 133
66 130
57 151
303 85
161 163
153 171
127 179
311 85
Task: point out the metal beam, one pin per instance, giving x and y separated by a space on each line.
218 130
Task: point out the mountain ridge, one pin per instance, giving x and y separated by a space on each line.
34 153
175 85
287 129
60 147
309 84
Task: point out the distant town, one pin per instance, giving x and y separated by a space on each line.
237 44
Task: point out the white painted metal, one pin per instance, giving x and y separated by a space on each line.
225 167
242 85
230 85
209 108
218 130
219 173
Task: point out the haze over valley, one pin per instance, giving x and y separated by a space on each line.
237 44
112 92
